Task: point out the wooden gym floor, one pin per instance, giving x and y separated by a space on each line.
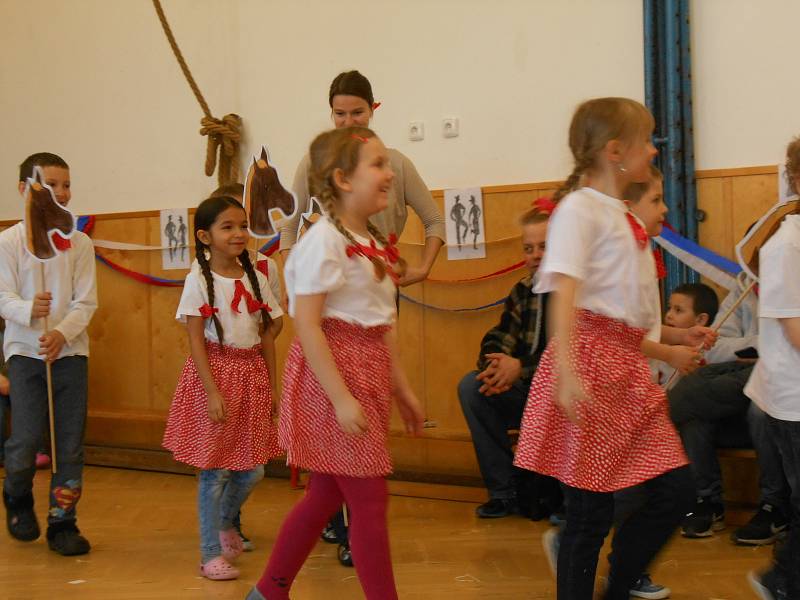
143 529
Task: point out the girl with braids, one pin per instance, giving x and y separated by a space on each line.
342 370
220 420
594 418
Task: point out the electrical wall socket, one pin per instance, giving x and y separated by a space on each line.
416 131
450 127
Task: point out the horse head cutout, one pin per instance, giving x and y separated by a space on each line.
747 249
48 225
264 194
311 216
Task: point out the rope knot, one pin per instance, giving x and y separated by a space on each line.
224 135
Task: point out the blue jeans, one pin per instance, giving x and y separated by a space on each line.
787 560
220 495
29 421
489 418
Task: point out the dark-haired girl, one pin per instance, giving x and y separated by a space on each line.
220 420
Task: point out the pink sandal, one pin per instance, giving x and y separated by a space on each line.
231 542
219 569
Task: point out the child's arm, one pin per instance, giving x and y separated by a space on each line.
791 327
82 304
308 324
693 336
562 321
197 347
684 359
407 402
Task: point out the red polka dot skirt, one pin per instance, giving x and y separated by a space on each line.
247 438
624 435
308 429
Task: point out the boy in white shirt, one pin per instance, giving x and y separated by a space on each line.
68 302
775 386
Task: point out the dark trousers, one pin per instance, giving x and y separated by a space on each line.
636 541
787 560
489 418
29 419
710 410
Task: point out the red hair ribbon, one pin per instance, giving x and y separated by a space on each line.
263 266
545 205
390 254
207 311
375 105
61 243
638 231
360 138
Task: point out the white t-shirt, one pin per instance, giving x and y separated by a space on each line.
239 329
775 382
69 277
318 264
590 238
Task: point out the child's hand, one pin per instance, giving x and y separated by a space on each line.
5 387
570 391
50 344
410 411
684 359
350 416
41 305
506 371
216 407
698 335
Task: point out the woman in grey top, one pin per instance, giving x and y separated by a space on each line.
352 103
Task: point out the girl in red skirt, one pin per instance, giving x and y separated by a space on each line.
220 420
594 418
342 370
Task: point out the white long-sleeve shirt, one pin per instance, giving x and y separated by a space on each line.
69 277
740 331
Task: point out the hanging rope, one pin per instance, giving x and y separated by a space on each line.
223 134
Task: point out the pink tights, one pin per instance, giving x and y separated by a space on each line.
366 500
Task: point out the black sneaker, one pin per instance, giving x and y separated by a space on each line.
20 518
767 585
497 508
706 518
329 535
65 539
766 525
247 545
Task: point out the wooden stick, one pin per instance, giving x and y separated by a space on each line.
53 463
345 515
724 318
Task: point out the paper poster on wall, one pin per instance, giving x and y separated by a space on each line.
463 211
174 239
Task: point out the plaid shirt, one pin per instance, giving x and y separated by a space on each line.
521 331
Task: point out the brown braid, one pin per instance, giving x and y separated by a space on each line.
247 265
339 149
200 253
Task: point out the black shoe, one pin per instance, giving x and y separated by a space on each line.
767 585
345 555
329 535
20 518
765 526
66 539
497 508
706 518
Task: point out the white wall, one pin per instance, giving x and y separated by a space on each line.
95 81
746 81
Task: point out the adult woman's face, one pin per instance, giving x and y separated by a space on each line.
350 111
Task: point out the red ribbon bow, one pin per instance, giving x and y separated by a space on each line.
239 292
61 243
375 105
390 254
638 231
661 268
545 205
207 311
